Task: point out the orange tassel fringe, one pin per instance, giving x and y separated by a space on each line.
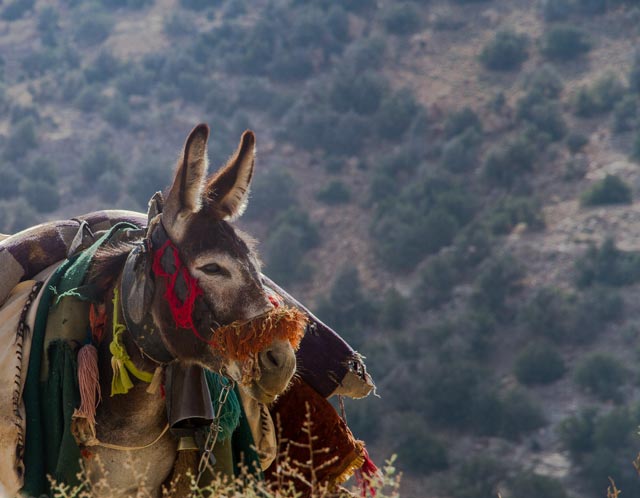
241 340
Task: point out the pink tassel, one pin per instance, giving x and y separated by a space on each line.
366 473
89 384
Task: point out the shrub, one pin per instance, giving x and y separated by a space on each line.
360 93
39 62
401 18
22 139
548 313
608 265
177 25
544 82
117 113
437 280
576 142
634 73
396 113
513 210
529 485
471 246
564 42
418 451
591 7
599 98
506 51
460 153
610 190
394 310
507 162
285 250
293 65
9 181
625 114
43 196
101 159
16 9
93 29
478 477
48 27
602 375
497 280
335 192
24 216
539 363
197 5
615 430
103 67
90 99
556 10
136 81
635 148
346 308
520 415
576 432
543 114
460 121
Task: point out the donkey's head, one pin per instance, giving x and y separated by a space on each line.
208 304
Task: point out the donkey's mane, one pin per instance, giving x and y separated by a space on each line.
108 263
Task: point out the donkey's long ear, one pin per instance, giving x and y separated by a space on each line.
185 195
228 189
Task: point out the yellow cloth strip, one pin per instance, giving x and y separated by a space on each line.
120 361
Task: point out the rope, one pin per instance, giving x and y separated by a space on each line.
96 442
120 361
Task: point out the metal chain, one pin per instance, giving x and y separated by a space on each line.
214 430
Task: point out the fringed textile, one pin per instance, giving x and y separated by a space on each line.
366 474
230 414
242 339
89 386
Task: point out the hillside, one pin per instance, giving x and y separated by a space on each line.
452 184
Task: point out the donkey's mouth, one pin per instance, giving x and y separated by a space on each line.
242 340
258 393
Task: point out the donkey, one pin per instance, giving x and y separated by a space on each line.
192 259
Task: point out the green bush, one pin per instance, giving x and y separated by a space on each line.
543 114
610 190
103 67
615 430
520 414
600 97
117 113
9 180
478 477
197 5
43 196
510 211
507 162
591 7
544 82
101 159
505 52
498 280
93 29
24 216
529 485
136 81
576 142
401 18
272 193
22 139
576 432
556 10
635 148
335 192
394 310
602 375
634 73
548 313
396 113
625 114
48 27
16 9
177 25
437 280
539 363
360 93
346 308
418 451
460 153
564 42
472 245
39 62
460 121
90 99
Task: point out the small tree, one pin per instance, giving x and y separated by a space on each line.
610 190
564 42
505 52
539 363
602 375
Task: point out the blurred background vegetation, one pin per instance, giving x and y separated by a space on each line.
448 183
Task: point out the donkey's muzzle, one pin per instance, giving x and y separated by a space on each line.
277 366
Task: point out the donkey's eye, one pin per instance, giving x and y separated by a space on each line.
212 269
